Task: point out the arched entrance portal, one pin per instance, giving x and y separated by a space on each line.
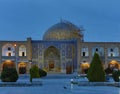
52 59
8 64
84 67
22 68
114 64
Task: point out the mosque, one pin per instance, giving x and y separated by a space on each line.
62 50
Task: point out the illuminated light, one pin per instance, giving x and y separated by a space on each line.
119 66
113 62
22 64
9 64
85 65
15 45
8 61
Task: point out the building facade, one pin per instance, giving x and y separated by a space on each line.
62 50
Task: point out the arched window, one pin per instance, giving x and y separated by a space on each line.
85 51
8 50
22 50
98 50
113 52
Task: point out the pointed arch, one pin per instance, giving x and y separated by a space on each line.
22 67
113 51
84 67
8 50
114 64
22 50
8 64
52 49
52 59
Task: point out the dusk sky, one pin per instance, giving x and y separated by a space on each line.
20 19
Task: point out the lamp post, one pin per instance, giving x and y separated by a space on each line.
15 55
71 83
119 81
30 61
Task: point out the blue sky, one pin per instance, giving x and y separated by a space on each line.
20 19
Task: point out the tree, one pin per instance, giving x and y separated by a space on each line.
96 71
108 70
116 75
34 72
9 75
42 73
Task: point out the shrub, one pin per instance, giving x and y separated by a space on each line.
9 75
86 70
116 75
34 72
108 70
42 73
96 71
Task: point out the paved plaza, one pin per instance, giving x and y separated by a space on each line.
58 89
59 86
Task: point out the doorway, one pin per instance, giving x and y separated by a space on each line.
51 66
22 68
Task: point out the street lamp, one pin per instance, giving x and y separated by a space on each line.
119 80
30 61
15 45
71 80
15 55
71 83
